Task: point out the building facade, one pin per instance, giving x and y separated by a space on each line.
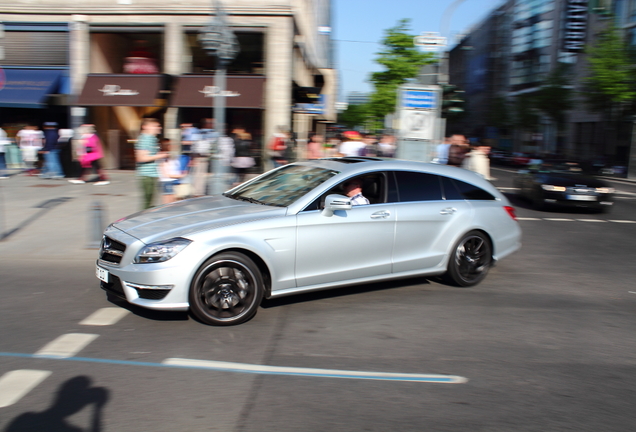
505 60
112 63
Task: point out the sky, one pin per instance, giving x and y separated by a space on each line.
358 26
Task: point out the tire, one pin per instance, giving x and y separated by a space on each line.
226 290
470 260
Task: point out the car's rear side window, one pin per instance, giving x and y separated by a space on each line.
457 190
415 186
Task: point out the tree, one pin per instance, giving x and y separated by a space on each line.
611 86
354 115
402 61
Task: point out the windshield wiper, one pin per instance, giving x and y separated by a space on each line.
248 199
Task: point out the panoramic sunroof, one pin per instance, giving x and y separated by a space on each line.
356 159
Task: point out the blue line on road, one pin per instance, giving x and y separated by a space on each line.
251 369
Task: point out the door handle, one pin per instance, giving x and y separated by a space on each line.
448 211
381 214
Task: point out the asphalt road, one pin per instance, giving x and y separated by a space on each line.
546 343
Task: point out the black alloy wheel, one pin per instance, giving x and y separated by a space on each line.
470 260
227 290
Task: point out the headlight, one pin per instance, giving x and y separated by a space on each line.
552 188
161 251
605 190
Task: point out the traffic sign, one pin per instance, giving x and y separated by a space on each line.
431 40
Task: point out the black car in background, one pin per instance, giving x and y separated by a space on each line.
563 184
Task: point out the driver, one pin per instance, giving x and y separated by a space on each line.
353 189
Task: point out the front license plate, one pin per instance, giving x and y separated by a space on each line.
581 197
102 274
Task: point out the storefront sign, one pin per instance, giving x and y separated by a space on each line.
115 90
214 91
121 90
27 88
199 91
575 28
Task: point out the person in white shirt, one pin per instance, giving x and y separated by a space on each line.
30 141
353 189
353 144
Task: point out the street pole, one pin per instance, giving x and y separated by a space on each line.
218 40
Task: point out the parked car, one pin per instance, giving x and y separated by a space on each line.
564 184
293 230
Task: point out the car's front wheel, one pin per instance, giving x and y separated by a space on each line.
470 260
227 290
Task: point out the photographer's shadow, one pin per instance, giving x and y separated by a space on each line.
72 397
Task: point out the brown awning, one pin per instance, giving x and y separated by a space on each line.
121 90
198 91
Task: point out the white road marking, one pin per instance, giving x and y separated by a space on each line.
631 292
66 345
508 188
528 219
16 384
591 220
623 221
105 316
558 220
325 373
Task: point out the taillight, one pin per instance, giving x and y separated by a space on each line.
511 212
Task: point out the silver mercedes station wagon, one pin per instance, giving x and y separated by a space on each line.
294 229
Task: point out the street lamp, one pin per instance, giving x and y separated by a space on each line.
218 40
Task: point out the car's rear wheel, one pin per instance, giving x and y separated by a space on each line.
470 260
227 290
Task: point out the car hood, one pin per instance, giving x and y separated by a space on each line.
567 179
190 216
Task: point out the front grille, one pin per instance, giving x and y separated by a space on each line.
114 286
111 250
152 294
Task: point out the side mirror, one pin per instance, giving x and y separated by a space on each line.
336 202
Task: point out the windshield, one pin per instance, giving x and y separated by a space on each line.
283 186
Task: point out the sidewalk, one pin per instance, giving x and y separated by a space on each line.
52 219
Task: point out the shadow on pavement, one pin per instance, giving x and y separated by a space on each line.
72 396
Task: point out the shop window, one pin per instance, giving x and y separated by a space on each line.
250 59
132 53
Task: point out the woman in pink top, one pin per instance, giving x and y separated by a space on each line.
314 146
90 154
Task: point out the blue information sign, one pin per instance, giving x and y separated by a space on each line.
419 99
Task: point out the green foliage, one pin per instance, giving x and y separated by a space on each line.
355 115
402 61
611 85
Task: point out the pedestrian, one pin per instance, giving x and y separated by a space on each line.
386 146
90 154
4 143
52 168
65 146
170 171
278 145
352 145
30 141
442 151
189 135
314 146
243 159
477 159
147 155
201 151
458 149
